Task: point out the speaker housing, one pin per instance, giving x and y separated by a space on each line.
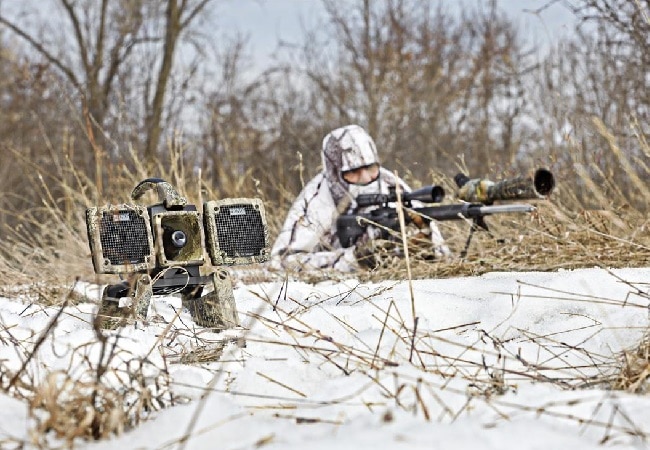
236 231
120 239
186 220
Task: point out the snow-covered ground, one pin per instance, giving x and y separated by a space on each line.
500 361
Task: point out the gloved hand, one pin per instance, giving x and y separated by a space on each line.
364 249
347 262
440 249
428 243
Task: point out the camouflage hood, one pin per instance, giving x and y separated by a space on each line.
344 149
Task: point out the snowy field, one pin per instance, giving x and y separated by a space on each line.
501 361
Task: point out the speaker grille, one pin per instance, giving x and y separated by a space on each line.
240 230
237 231
120 238
123 235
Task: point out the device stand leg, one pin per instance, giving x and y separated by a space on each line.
216 309
142 296
111 316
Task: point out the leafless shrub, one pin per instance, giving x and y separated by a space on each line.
104 391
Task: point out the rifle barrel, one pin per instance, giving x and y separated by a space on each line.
504 209
471 210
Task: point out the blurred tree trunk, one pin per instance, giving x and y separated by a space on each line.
179 15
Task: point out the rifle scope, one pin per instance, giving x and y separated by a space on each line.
427 194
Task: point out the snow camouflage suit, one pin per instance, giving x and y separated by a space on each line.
308 238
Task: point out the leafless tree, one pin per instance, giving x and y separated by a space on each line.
96 46
595 93
428 84
179 15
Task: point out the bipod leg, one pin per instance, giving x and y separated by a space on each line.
216 309
472 229
478 223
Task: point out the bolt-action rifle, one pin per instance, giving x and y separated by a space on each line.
477 201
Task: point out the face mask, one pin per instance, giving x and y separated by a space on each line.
362 176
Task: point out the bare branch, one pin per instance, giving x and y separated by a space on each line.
36 45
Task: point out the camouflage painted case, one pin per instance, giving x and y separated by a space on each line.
236 231
189 223
120 238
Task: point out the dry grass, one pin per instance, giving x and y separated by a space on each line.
101 397
43 258
548 240
413 373
634 368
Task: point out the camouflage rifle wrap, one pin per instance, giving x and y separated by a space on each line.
166 192
537 186
478 194
217 308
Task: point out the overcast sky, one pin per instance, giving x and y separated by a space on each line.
266 21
